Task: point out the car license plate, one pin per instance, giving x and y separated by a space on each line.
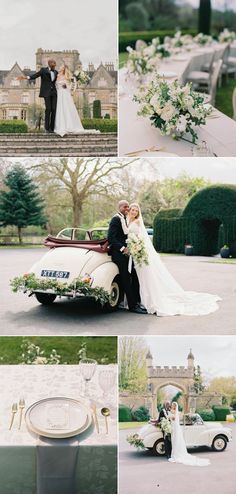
49 273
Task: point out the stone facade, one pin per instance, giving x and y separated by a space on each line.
20 100
181 377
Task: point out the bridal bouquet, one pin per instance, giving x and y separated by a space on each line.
165 426
81 77
137 250
135 440
143 61
203 39
227 36
172 108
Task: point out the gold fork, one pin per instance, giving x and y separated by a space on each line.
21 407
94 410
14 409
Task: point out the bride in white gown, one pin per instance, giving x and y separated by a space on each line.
160 293
67 118
179 453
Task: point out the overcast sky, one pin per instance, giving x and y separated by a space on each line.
89 26
216 4
215 355
215 169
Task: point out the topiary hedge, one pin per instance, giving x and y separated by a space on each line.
207 414
221 412
102 124
13 127
207 222
141 414
130 38
125 414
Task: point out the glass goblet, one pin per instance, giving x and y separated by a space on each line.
87 368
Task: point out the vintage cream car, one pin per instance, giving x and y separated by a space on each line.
78 254
196 433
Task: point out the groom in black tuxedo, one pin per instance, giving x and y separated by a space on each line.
167 437
48 91
117 236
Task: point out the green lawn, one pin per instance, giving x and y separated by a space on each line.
22 246
122 59
224 261
98 348
130 425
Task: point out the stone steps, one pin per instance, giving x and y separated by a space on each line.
86 144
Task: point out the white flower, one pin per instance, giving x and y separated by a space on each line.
129 49
168 111
182 123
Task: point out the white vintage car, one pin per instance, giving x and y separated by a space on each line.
78 254
196 433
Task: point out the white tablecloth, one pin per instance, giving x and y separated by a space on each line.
136 133
97 454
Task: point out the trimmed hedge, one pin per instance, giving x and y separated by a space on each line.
141 414
199 224
13 127
207 414
125 414
221 412
130 38
102 124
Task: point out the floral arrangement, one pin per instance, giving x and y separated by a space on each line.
227 36
143 61
181 40
172 108
203 39
137 249
160 50
165 426
136 441
29 283
32 354
81 77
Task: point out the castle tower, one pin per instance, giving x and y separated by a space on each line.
149 359
69 57
190 360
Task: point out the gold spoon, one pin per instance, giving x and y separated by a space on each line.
106 413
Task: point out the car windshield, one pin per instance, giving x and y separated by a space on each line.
191 419
72 234
98 234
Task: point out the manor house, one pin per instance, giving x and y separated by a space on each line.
20 99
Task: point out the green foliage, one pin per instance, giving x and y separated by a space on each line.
125 414
199 223
97 109
20 202
29 283
102 124
207 414
221 412
204 16
198 380
138 16
141 414
70 348
132 364
13 127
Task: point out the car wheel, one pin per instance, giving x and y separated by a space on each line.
115 295
219 443
45 298
159 448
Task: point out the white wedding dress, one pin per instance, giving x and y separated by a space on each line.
179 453
67 118
160 293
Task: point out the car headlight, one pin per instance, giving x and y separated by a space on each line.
87 279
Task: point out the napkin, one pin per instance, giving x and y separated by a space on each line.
56 465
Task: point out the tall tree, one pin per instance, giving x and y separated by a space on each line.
204 17
20 201
82 178
132 364
198 380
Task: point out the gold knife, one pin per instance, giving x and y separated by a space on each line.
21 407
94 409
14 409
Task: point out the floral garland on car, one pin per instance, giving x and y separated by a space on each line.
135 440
29 283
172 108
